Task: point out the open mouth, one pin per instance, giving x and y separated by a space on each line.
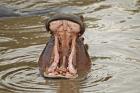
65 54
63 60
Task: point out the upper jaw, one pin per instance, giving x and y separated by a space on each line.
64 26
70 17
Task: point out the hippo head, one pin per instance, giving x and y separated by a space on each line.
66 29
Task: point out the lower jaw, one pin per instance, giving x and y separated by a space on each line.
63 68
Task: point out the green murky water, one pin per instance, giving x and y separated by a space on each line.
112 33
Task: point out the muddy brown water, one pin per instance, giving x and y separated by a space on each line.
112 33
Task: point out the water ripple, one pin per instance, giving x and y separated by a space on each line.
22 78
26 77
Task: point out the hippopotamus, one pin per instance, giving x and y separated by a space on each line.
65 54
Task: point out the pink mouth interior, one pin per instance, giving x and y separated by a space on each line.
64 58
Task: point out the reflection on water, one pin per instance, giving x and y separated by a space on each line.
113 36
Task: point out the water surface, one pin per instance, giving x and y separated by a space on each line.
112 33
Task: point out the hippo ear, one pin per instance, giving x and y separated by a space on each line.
82 18
82 25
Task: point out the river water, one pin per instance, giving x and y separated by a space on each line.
112 33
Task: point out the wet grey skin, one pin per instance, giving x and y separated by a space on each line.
81 60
